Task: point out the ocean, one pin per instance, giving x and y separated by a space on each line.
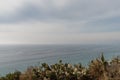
19 57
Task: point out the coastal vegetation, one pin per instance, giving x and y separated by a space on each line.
98 69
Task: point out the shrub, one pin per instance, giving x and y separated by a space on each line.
98 69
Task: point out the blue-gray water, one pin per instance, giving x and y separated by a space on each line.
19 57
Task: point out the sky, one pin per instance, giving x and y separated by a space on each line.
59 21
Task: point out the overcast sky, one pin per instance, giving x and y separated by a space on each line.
59 21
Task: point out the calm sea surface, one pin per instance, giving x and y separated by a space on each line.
19 57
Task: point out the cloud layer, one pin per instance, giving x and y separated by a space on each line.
59 21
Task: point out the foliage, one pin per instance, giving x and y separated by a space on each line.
12 76
98 69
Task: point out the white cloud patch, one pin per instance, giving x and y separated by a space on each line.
47 38
9 6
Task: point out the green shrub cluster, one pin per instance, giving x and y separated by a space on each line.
12 76
98 69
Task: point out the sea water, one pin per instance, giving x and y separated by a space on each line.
19 57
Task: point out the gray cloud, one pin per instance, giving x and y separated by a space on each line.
61 21
75 10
